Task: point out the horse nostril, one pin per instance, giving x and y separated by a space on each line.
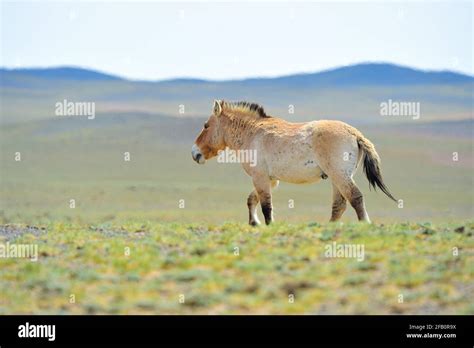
198 157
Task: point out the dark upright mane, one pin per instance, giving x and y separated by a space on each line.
246 106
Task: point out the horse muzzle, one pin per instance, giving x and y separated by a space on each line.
197 155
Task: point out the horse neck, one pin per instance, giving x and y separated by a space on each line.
237 130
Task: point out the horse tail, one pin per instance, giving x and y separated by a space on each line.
372 165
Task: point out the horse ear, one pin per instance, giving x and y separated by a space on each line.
217 109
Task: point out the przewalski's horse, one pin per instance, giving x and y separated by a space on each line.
291 152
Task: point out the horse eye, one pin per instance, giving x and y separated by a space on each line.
206 125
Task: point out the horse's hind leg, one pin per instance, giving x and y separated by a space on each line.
338 156
252 203
351 192
338 204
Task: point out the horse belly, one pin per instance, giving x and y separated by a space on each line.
296 167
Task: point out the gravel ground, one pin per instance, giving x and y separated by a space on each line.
11 232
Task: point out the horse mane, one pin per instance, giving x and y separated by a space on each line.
246 107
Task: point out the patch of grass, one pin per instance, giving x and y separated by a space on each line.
145 267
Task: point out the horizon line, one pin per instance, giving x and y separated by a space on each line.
235 79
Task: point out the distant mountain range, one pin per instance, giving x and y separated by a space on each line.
352 93
367 74
59 73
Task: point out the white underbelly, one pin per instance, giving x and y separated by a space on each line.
295 166
291 158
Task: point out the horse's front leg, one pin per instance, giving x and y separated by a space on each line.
263 186
252 203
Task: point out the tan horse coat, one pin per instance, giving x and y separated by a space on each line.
291 152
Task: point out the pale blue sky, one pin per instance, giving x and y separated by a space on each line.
145 40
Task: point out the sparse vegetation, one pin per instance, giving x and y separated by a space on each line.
190 250
200 261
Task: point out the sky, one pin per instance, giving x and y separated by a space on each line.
233 40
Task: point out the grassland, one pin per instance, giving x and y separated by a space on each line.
182 222
190 250
83 160
142 267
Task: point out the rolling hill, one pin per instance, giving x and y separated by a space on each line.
351 93
59 73
354 75
67 157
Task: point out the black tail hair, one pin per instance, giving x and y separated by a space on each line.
372 169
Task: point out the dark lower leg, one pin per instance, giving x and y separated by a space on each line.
267 209
252 202
357 202
338 205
